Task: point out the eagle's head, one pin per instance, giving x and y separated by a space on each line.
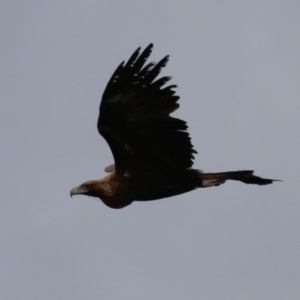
89 188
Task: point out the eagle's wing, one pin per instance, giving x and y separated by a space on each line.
135 118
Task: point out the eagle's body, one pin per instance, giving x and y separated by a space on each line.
117 191
153 152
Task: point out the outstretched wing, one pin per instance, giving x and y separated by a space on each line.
135 118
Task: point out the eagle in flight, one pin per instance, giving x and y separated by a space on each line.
153 153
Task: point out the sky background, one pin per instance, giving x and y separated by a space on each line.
237 67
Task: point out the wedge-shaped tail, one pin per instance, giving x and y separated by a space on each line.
215 179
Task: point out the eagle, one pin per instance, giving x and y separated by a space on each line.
153 153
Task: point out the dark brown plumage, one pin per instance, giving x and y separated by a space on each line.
152 151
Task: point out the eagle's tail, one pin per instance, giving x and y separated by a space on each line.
215 179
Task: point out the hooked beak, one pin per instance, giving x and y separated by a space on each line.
78 190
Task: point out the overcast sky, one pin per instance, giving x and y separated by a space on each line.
237 67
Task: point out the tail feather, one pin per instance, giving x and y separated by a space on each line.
215 179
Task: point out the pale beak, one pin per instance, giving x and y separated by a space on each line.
78 190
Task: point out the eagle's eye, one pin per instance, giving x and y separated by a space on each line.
87 185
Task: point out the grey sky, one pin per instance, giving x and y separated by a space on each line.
238 70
